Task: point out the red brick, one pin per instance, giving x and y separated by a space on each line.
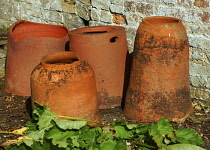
202 3
119 19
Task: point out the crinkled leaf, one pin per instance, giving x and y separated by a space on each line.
88 137
46 118
67 124
32 126
121 132
38 110
141 129
120 123
107 145
59 137
160 130
165 127
28 142
37 135
105 137
22 146
74 140
182 147
187 136
132 126
120 145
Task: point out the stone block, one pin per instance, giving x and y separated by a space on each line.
82 10
199 41
95 14
106 16
198 56
170 1
86 2
69 8
72 21
118 2
162 10
116 8
101 4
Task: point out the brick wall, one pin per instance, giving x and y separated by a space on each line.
195 15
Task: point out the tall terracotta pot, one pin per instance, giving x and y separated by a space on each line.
104 48
28 42
159 80
67 85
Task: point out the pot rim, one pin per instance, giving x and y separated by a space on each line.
161 19
63 30
97 30
61 58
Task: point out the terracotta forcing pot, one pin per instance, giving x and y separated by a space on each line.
67 85
28 42
159 79
104 48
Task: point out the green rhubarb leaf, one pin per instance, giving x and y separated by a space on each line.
28 142
32 126
182 147
59 137
141 129
38 110
120 145
105 137
46 118
37 135
107 145
88 137
67 124
22 146
120 123
160 131
74 140
121 132
132 126
187 136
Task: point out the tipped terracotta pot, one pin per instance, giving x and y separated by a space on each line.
104 48
159 79
28 42
67 85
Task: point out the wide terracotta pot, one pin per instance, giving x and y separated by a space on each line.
159 79
67 85
104 48
28 42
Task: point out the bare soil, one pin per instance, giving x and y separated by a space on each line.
15 111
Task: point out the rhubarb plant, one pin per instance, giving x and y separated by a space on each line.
46 132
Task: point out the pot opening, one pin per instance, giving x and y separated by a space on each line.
162 20
62 61
95 32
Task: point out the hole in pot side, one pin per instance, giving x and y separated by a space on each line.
62 61
113 39
95 32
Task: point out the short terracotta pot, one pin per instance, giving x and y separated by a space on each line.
104 48
159 79
28 42
67 85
